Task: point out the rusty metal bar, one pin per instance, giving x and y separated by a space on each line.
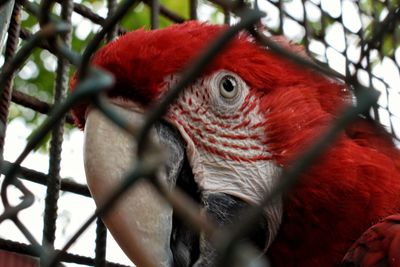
101 244
11 47
41 178
35 104
54 179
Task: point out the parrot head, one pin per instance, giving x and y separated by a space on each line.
232 132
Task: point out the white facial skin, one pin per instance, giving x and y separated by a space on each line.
226 142
223 128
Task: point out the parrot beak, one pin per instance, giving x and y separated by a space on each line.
140 217
141 220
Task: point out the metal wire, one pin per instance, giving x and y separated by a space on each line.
55 36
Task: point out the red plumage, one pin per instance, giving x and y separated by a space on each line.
355 183
378 246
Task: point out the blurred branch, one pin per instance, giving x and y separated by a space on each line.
35 104
40 178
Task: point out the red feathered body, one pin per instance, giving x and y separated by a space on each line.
353 185
378 246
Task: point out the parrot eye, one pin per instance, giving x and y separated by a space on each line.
228 87
227 91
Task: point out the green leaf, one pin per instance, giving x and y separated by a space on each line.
387 48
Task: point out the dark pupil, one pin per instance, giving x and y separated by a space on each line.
228 85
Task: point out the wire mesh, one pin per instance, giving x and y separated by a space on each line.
357 42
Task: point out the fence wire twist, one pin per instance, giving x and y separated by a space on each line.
54 35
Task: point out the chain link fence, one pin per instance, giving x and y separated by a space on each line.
355 41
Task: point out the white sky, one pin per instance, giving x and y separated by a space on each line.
74 210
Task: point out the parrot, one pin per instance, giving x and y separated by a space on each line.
230 135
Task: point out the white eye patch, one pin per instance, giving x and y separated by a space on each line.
249 181
225 141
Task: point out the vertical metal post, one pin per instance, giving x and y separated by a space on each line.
101 230
5 16
155 14
227 16
53 181
101 243
11 47
112 5
281 16
193 9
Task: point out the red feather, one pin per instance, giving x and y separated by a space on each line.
378 246
356 182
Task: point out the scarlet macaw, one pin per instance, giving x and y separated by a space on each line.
247 118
